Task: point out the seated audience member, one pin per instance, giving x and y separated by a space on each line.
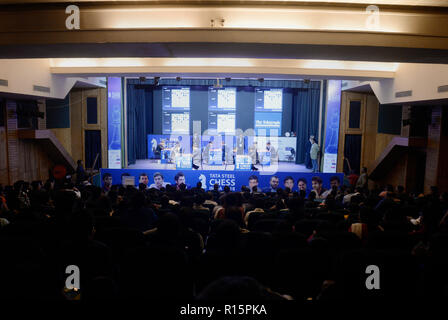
179 179
158 181
253 184
209 199
335 184
198 204
139 215
107 182
273 185
363 180
353 178
215 192
143 178
348 198
316 184
258 204
239 289
301 184
80 172
288 182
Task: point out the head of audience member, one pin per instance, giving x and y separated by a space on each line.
288 182
107 180
268 145
216 187
364 170
36 185
253 183
180 179
274 182
226 189
235 214
301 184
158 180
143 178
312 139
335 182
316 184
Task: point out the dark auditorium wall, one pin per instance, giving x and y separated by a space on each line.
3 145
373 142
418 166
21 159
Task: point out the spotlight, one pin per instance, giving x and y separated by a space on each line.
142 79
156 81
306 81
228 79
261 79
178 78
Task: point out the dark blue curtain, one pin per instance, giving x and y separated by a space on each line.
139 119
92 140
352 152
306 104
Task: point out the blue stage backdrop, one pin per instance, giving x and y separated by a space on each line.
208 178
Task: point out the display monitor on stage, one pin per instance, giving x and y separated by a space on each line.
222 99
221 110
270 100
176 98
221 123
176 122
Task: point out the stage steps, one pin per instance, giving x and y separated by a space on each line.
52 146
390 155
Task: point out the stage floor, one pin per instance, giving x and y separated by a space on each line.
282 167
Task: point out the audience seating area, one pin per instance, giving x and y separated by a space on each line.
192 244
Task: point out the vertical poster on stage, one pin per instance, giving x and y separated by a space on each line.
332 125
114 122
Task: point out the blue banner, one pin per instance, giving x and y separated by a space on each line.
268 123
114 122
332 125
234 179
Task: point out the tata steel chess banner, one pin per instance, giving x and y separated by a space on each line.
208 177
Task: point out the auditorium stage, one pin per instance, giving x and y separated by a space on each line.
282 166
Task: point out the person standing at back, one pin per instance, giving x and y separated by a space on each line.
314 151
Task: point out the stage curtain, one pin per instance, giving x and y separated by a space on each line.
92 144
136 120
306 104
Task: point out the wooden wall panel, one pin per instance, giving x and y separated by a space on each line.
64 135
370 131
3 157
382 141
78 122
12 140
76 127
397 175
